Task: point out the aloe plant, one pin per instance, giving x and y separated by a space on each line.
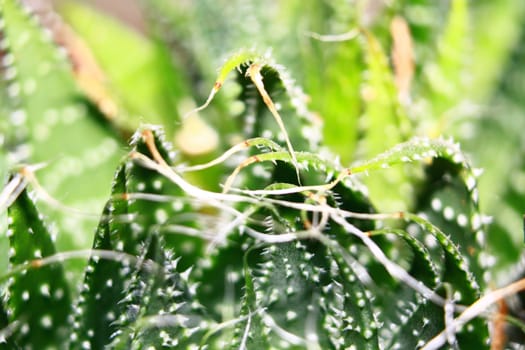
237 222
297 267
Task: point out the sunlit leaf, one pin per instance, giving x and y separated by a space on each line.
56 123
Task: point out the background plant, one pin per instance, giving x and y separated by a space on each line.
385 198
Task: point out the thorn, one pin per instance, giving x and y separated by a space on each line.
186 274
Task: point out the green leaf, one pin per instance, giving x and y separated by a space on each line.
460 266
424 323
500 129
386 126
339 102
415 150
353 322
160 306
142 72
423 267
97 307
220 275
296 289
302 298
4 243
143 204
55 123
205 43
493 50
452 45
6 329
456 267
39 297
449 200
446 73
505 234
330 72
256 120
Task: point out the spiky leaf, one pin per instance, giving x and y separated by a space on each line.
37 298
160 305
143 203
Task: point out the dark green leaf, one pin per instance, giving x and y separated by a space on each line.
37 298
143 204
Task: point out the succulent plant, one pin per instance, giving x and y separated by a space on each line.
241 227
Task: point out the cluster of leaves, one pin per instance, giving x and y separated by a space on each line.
297 250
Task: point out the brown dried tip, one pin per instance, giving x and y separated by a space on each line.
149 139
248 161
25 172
499 336
36 263
307 224
402 57
147 135
87 72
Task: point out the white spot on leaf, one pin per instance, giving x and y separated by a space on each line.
448 213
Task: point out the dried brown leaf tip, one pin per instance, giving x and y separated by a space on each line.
402 57
89 75
499 337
